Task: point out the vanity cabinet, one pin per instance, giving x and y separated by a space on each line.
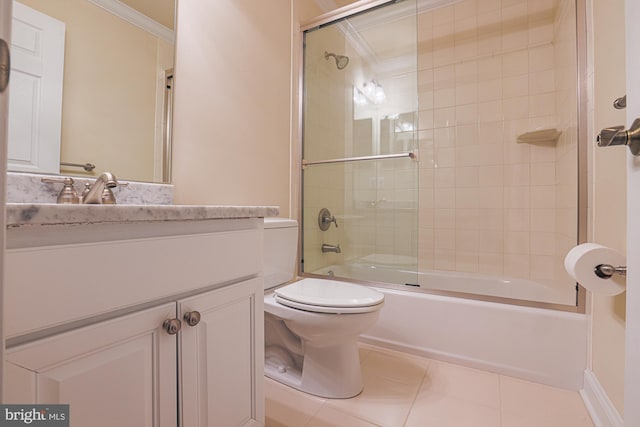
130 371
120 372
101 343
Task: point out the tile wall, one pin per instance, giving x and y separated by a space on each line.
491 70
487 72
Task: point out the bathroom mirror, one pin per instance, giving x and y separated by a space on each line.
115 90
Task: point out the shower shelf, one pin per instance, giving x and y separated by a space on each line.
544 136
410 154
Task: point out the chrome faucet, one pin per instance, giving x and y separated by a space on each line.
93 194
330 248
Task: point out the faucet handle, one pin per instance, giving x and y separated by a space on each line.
107 197
68 195
325 219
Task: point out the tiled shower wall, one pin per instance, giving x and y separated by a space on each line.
375 202
325 138
488 71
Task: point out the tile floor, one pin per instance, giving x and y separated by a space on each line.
406 390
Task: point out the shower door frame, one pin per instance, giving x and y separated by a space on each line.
582 87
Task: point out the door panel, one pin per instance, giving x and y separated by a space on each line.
119 372
221 366
36 103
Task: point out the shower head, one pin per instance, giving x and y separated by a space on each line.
341 60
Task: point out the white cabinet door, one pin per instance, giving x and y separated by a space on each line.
120 372
222 357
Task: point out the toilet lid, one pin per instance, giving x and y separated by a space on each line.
329 293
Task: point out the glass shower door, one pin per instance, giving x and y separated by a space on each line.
360 146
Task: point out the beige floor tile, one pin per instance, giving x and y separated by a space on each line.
526 404
459 382
383 401
287 407
401 387
331 417
395 366
435 410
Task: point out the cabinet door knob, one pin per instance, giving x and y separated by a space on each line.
192 318
172 326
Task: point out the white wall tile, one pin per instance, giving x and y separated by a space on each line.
466 114
515 64
494 79
444 117
445 137
517 174
515 86
444 97
468 176
467 135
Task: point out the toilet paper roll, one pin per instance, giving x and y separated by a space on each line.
581 262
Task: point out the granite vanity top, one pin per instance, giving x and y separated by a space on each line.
29 214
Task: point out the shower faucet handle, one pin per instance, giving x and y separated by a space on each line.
325 219
331 220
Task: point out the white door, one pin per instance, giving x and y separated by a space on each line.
632 365
221 366
120 372
35 104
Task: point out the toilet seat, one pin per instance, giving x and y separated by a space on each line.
329 296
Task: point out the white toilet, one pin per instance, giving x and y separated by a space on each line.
312 325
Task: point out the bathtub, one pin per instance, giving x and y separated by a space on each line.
404 273
545 346
540 345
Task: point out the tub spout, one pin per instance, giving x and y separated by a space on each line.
330 248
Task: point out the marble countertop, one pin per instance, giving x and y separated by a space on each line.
29 214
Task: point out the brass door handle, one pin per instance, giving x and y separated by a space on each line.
618 136
5 65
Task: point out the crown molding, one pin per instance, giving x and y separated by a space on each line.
136 18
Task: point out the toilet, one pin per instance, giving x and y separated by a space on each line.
312 325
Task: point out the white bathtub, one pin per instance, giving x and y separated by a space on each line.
545 346
541 345
480 284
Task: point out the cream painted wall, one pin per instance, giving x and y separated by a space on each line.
608 204
109 94
306 10
232 105
161 11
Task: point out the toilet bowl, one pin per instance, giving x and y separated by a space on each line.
312 325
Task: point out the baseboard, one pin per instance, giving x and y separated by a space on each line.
602 411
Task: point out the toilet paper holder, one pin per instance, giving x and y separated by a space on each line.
605 271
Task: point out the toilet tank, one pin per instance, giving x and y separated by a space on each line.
280 250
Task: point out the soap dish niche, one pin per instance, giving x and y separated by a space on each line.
540 137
